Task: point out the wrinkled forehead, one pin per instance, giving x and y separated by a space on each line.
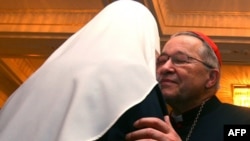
182 43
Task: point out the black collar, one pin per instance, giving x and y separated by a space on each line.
189 116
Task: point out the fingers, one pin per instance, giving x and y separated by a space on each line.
153 129
172 135
150 129
146 134
167 121
151 122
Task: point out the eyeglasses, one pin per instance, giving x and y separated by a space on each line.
178 59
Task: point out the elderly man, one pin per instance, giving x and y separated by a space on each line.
189 72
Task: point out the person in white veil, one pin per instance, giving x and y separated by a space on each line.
88 84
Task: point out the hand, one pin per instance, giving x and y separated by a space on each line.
152 129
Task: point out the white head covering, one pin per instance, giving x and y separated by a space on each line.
81 90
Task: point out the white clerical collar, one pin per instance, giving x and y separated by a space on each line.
177 118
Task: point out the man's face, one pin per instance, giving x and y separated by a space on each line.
181 78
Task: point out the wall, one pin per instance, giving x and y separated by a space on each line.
232 74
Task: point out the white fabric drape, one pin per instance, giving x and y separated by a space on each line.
100 72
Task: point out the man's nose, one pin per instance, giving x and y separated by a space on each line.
168 66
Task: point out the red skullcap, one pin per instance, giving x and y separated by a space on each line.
211 44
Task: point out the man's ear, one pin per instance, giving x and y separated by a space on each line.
213 78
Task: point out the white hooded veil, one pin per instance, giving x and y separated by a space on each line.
101 71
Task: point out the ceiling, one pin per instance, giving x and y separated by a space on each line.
31 30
